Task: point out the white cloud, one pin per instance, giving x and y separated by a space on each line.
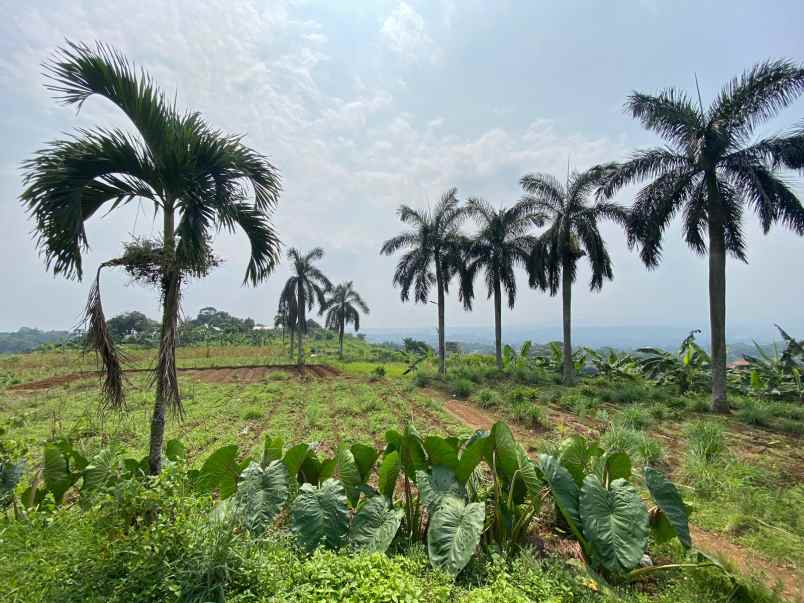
404 33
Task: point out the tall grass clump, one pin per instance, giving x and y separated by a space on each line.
706 441
754 412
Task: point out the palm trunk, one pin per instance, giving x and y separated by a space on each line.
442 351
498 323
292 341
301 348
340 342
568 371
717 300
166 381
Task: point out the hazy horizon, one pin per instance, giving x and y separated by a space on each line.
366 106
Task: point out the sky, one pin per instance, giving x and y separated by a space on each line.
363 106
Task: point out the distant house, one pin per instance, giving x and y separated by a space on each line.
739 363
259 327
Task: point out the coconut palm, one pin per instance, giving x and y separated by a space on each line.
303 290
435 254
342 309
197 177
711 170
572 233
503 242
281 319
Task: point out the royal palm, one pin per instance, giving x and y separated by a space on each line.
572 232
197 177
343 308
503 242
711 170
303 290
435 252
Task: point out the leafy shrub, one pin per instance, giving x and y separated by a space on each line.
487 398
378 373
521 395
461 388
423 378
705 440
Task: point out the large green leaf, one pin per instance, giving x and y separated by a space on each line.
295 457
349 474
175 450
615 522
454 533
375 525
100 472
669 501
319 516
271 450
388 474
220 471
441 452
504 450
576 454
261 494
10 476
437 485
471 456
365 457
56 472
310 470
529 475
617 466
564 490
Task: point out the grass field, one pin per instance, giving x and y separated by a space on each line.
745 482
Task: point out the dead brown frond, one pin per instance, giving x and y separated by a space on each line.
167 384
100 341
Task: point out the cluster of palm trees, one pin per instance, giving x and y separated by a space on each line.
308 287
710 170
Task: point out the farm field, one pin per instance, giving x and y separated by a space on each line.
744 482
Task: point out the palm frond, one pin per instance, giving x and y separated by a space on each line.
671 114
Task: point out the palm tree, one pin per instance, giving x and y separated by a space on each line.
195 175
572 234
303 290
503 242
435 254
342 309
281 319
711 170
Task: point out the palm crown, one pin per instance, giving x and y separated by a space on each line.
343 308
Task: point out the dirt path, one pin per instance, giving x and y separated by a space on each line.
747 561
208 374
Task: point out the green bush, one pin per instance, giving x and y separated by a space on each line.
754 412
461 388
528 414
634 417
705 440
521 395
487 398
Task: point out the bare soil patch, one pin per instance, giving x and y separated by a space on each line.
217 374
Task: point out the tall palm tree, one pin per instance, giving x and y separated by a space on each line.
303 290
503 242
572 233
342 309
435 254
711 170
281 319
195 175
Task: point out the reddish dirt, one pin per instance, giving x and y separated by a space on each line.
747 561
220 374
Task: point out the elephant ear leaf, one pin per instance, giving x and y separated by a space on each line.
349 473
440 451
615 522
454 533
319 516
617 466
220 471
472 454
388 473
294 458
437 485
564 490
56 472
375 525
261 494
10 476
175 450
669 502
365 457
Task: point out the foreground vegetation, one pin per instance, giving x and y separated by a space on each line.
153 538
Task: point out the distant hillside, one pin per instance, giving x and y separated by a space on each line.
27 340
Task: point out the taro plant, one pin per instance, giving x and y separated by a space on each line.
603 510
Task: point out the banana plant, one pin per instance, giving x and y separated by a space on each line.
515 360
613 365
688 368
604 511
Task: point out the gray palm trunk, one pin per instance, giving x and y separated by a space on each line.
717 299
498 323
442 352
301 347
340 340
568 371
167 342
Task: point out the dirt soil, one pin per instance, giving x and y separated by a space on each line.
218 374
745 560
